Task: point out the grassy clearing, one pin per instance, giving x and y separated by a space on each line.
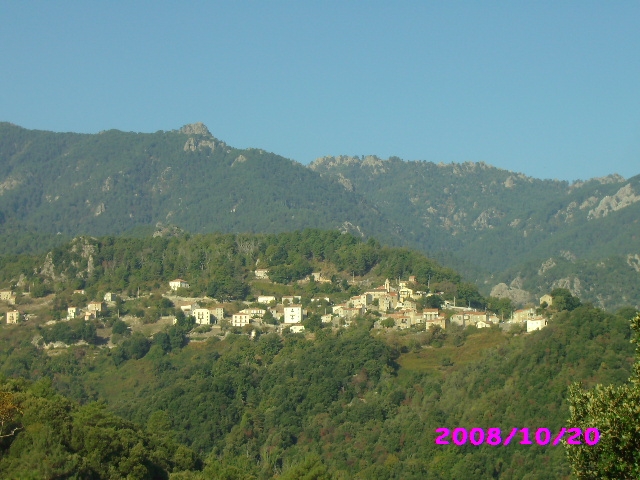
430 359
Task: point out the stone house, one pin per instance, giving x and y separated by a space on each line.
178 283
402 319
262 273
475 317
430 314
217 314
266 299
536 323
441 322
188 308
377 293
293 314
240 319
254 312
13 316
8 296
202 316
327 318
461 318
523 314
548 299
405 293
96 307
291 299
351 312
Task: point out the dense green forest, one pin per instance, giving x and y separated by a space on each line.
489 224
115 182
347 404
220 265
356 402
497 226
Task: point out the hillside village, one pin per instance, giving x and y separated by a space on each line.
393 305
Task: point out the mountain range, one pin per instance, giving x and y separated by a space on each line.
513 235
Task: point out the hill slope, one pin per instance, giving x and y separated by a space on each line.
505 222
116 181
496 226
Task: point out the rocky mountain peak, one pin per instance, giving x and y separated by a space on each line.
197 128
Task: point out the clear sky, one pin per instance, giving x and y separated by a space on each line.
547 88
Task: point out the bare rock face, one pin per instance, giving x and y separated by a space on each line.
163 230
192 145
48 269
345 182
622 198
634 262
239 159
100 209
487 218
517 295
330 162
198 128
9 184
572 284
546 265
348 227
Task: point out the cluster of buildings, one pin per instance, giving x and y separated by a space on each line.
9 296
290 313
396 306
397 303
92 309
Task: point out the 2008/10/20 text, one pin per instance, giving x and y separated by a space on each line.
493 436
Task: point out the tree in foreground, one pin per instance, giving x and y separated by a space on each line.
615 412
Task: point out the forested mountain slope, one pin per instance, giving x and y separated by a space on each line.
356 402
116 181
223 264
505 222
493 225
345 404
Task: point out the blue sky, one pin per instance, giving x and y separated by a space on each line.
550 89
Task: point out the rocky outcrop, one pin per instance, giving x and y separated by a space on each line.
572 284
546 265
9 184
197 128
348 227
634 262
623 198
239 159
345 182
192 145
163 230
517 295
100 209
487 219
